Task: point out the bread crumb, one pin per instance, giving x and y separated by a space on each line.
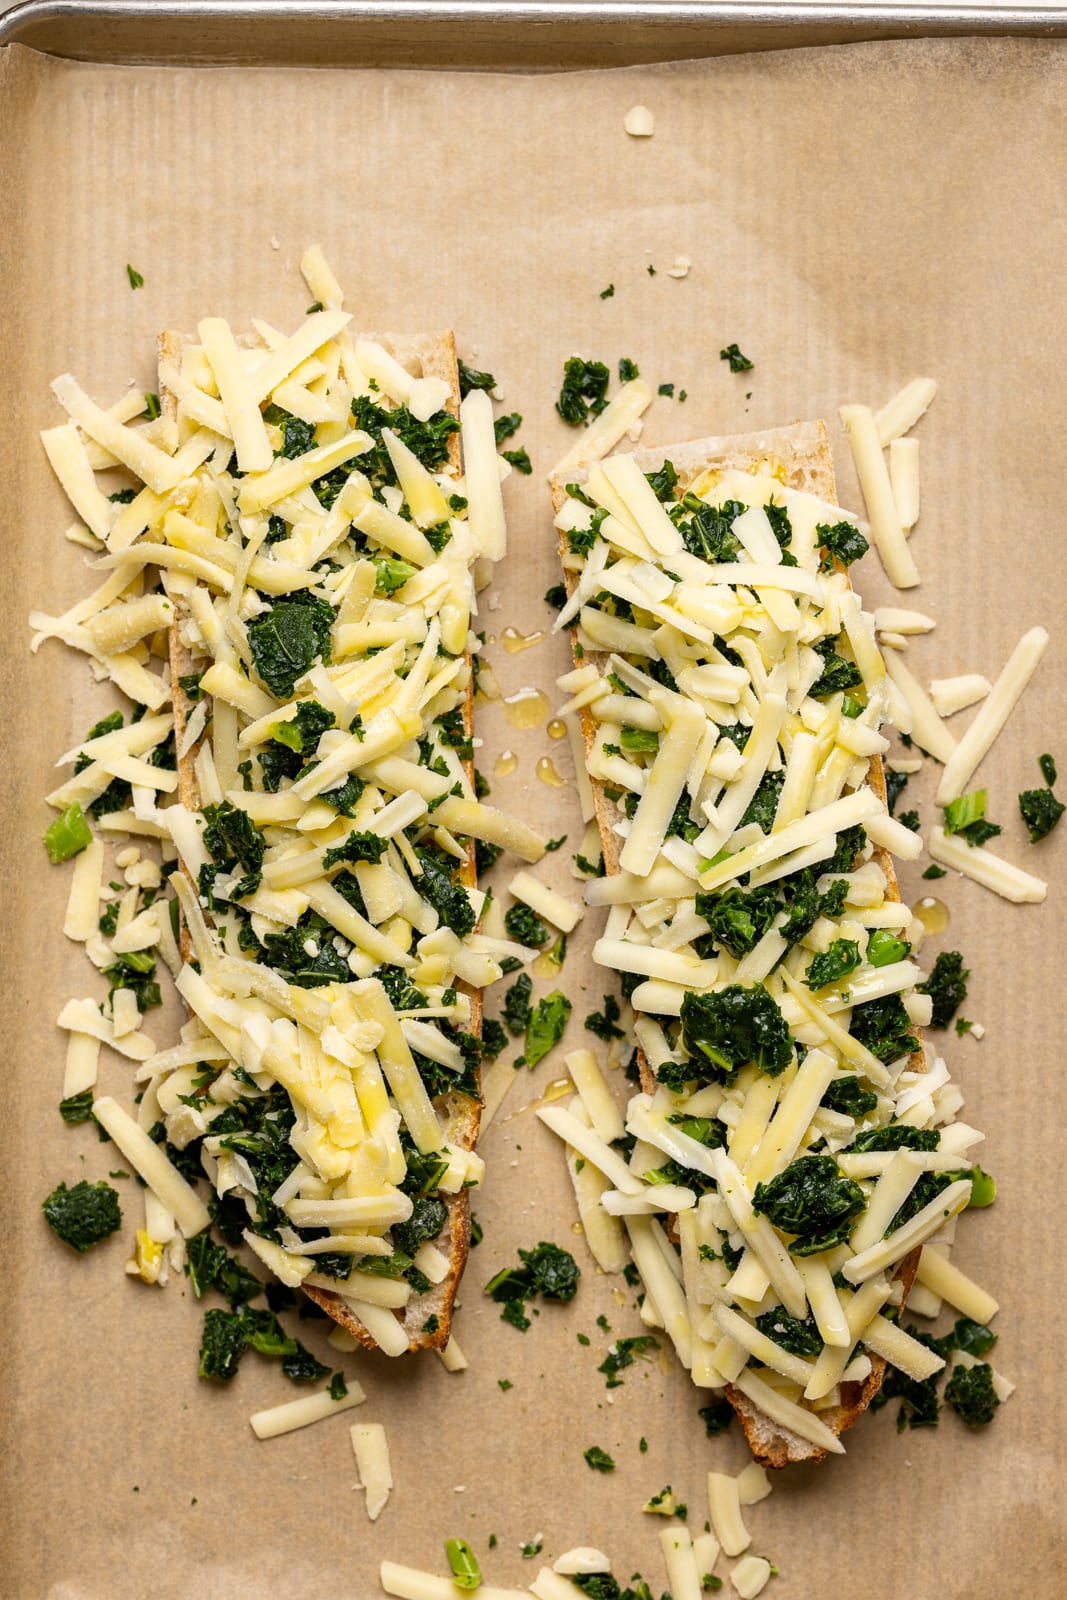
639 122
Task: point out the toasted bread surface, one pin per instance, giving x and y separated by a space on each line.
426 1319
802 454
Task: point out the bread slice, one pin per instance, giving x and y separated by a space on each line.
801 454
428 356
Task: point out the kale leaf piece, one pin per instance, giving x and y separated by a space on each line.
470 378
799 1338
881 1026
546 1270
921 1407
738 361
830 966
286 640
222 1344
517 1009
898 1136
946 986
738 920
716 1417
83 1215
307 955
708 532
622 1354
841 541
546 1026
428 440
837 674
971 1394
847 1096
811 1198
605 1023
231 835
583 392
722 1031
360 845
449 899
258 1129
525 926
1040 811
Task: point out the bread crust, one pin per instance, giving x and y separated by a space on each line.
802 452
429 355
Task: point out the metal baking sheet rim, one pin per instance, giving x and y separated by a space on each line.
477 33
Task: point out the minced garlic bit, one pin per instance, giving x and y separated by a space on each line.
288 594
639 122
790 1118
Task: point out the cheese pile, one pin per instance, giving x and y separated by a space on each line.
288 600
796 1130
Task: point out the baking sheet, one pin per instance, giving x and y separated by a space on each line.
853 217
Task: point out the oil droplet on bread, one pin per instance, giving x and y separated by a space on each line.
556 729
526 708
933 914
514 641
548 774
506 762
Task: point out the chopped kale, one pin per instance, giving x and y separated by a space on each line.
629 370
470 378
966 816
520 460
722 1031
622 1355
286 640
897 1136
663 482
391 574
449 899
738 362
910 819
222 1344
546 1026
811 1198
881 1026
583 393
136 280
605 1023
738 920
830 966
77 1107
764 803
708 532
68 835
971 1394
598 1459
517 1009
83 1215
848 1097
359 845
799 1338
494 1039
717 1416
974 1337
1040 811
556 596
837 674
427 440
885 948
505 426
946 986
1048 769
525 926
842 542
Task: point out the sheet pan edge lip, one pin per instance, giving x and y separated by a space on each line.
818 21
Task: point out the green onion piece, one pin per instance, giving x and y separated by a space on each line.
884 947
959 814
68 836
466 1573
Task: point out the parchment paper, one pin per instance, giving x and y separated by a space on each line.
853 217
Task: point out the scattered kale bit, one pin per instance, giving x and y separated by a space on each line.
898 1136
895 784
109 919
151 406
722 1031
427 440
546 1026
831 965
622 1354
485 856
452 732
738 920
629 370
664 482
764 803
300 1366
286 640
592 869
553 1273
525 926
738 362
920 1406
973 1337
598 1459
505 426
259 1130
517 1009
470 379
297 437
222 1344
514 1312
1048 769
708 532
599 1585
946 986
881 1026
846 1095
520 460
934 871
606 294
910 819
477 1232
83 1215
810 1198
583 393
230 834
717 1416
851 843
532 1548
556 596
605 1023
77 1107
971 1394
707 1131
344 798
494 1039
136 280
842 542
337 1388
204 1262
1040 811
68 835
136 970
667 390
963 1025
449 899
358 846
427 1219
800 1338
837 674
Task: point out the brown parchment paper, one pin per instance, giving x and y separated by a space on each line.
853 217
